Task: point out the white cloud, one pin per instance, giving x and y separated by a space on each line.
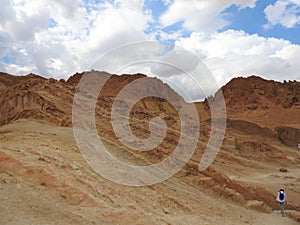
236 53
77 37
118 25
167 2
20 24
284 12
80 33
7 12
17 69
200 15
175 62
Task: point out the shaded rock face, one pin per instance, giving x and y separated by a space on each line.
250 128
289 136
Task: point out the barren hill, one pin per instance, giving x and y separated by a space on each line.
45 180
264 102
258 93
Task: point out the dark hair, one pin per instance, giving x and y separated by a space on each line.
281 189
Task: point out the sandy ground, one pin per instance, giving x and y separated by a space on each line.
29 205
45 180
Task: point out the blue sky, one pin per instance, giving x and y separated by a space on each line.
252 20
56 38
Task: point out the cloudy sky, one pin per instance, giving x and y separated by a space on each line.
56 38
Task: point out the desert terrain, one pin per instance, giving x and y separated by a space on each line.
44 179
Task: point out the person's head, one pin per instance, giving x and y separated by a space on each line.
281 189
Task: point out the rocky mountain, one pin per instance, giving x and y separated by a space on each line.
258 93
39 155
271 105
264 102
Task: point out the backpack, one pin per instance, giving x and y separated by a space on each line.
281 195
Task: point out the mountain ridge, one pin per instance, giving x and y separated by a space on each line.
252 99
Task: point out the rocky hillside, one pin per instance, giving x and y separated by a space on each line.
269 104
38 153
34 97
50 100
257 93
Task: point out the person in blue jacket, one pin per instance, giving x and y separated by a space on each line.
281 198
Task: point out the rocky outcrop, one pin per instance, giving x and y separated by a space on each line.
290 136
249 128
221 185
34 97
36 175
254 93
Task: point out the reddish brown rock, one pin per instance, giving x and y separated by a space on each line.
267 197
258 205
